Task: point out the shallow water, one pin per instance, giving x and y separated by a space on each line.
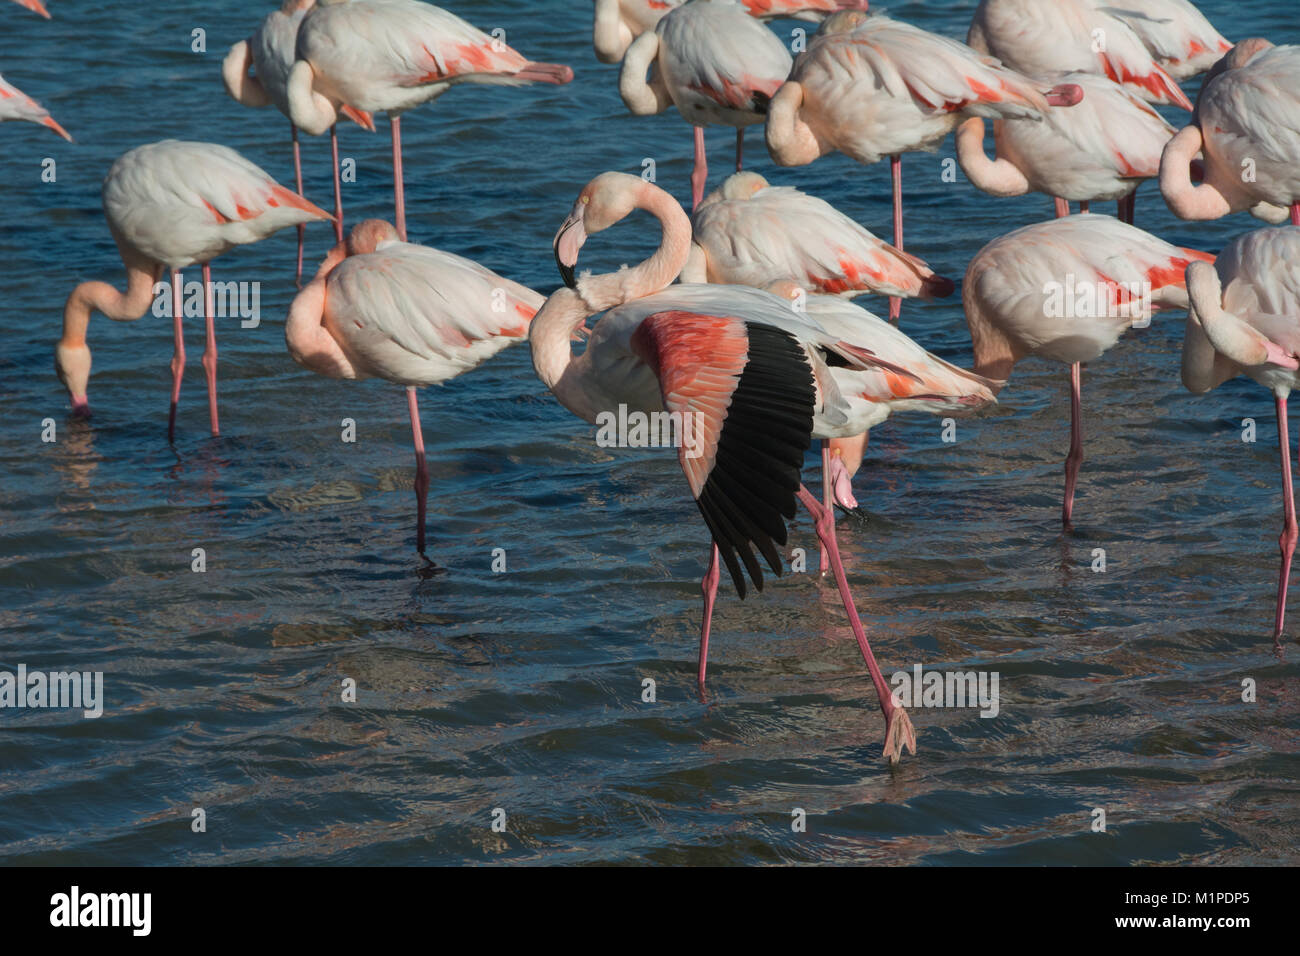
522 690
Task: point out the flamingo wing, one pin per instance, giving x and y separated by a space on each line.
1179 37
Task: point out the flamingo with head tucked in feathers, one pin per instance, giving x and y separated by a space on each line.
1244 319
1066 290
715 63
1247 126
391 56
872 87
380 307
1178 36
618 22
270 53
170 205
1100 148
17 105
756 380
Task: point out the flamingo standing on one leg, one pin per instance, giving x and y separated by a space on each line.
752 381
1247 124
715 63
1067 289
169 205
35 6
1043 37
618 22
383 308
1100 148
17 105
270 52
750 233
1178 36
391 56
872 87
1244 319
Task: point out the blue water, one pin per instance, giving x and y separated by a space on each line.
523 690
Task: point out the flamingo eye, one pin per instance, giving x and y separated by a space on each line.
585 199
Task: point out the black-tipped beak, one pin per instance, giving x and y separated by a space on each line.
566 271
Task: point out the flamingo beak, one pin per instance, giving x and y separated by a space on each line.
566 244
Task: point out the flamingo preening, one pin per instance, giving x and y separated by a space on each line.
1066 290
872 88
270 54
1247 127
380 307
1102 147
170 205
1244 319
17 105
391 56
715 63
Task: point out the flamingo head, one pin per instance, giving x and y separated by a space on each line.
742 185
604 201
72 363
842 21
291 7
369 235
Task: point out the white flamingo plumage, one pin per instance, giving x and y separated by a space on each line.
17 105
1244 319
172 204
1066 290
391 56
409 314
1178 36
36 6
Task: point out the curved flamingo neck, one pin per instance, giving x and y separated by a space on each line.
306 335
309 110
102 297
995 352
1188 201
790 140
997 177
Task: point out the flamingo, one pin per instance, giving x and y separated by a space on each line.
1247 124
1179 37
380 307
391 56
872 87
618 22
270 53
1042 37
752 379
1066 290
17 105
171 204
712 61
1244 319
1101 148
35 6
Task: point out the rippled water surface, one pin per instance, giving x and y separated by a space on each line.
523 690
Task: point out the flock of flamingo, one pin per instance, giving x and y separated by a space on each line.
742 318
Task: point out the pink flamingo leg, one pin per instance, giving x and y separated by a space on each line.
896 173
210 353
898 726
1075 457
700 174
828 499
178 356
338 184
421 469
1290 532
297 173
1127 206
1083 206
1295 214
1062 208
399 198
740 147
710 588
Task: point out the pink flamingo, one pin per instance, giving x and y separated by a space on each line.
380 307
618 22
872 87
1044 37
712 61
17 105
270 53
1245 320
1100 148
391 56
751 379
1066 290
169 205
35 6
1181 41
1247 124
